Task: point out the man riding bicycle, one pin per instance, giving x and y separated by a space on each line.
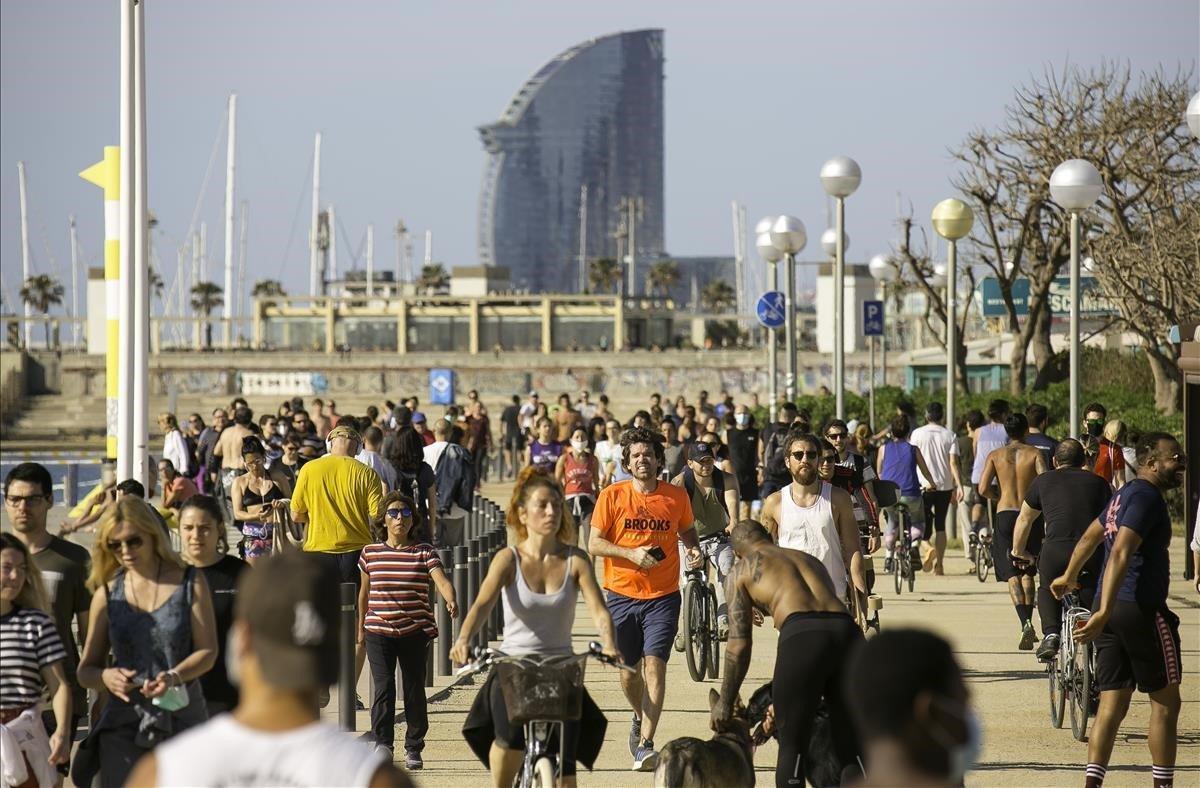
712 501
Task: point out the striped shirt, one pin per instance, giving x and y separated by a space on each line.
398 600
28 643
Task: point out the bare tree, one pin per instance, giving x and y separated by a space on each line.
1131 130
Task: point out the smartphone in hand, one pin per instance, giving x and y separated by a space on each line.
658 553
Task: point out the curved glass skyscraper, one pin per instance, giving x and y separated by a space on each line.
583 134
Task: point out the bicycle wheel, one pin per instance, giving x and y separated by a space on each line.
912 565
1058 693
543 773
898 566
982 554
1081 691
695 629
714 643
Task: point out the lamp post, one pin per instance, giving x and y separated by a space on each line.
1075 185
788 236
1193 115
882 271
952 219
768 252
840 176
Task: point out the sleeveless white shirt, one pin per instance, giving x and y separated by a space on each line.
223 752
812 530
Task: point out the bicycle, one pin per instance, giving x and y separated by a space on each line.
541 693
983 554
903 561
1070 672
702 645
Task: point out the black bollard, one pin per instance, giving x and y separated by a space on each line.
462 586
497 538
447 627
487 631
349 625
473 581
71 486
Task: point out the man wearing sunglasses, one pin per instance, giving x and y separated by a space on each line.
1109 462
814 517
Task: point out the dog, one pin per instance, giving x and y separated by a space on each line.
726 759
821 764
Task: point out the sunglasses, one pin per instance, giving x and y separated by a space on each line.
132 543
16 500
396 514
830 458
805 455
835 436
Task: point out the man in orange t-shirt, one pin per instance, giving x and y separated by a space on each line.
635 528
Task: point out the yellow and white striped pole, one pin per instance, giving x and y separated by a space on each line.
107 175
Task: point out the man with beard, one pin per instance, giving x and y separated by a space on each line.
1136 634
814 517
816 636
635 527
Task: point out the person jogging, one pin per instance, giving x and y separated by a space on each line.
1070 498
1136 634
816 638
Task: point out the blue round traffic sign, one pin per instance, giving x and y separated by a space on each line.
771 309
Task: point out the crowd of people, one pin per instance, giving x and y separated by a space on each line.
170 625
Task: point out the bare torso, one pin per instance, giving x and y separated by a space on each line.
230 444
1015 467
778 582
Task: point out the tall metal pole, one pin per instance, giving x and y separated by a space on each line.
871 404
951 329
333 266
633 220
230 162
581 285
314 263
839 310
243 225
74 282
27 330
773 351
1074 431
883 340
141 259
789 325
127 222
370 260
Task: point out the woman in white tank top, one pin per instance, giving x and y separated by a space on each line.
539 580
812 530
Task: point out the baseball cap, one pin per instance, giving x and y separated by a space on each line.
701 450
344 432
533 393
290 603
418 418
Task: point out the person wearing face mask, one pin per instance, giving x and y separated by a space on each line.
1136 634
1109 463
282 649
910 706
578 471
202 538
743 453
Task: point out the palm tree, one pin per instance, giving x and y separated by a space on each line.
155 281
661 277
604 274
717 296
434 279
266 289
206 297
42 292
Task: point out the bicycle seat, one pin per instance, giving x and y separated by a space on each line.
887 494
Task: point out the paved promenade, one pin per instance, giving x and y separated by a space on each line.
1008 690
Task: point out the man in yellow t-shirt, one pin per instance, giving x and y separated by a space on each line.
636 526
338 497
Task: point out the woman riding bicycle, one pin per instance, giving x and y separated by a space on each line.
539 580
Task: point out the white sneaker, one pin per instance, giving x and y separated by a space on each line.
646 758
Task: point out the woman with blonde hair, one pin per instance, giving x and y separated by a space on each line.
539 580
33 662
156 617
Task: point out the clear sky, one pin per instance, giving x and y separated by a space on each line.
758 94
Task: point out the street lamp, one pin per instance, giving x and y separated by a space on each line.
788 236
952 219
768 252
1075 185
1193 115
840 176
829 242
884 272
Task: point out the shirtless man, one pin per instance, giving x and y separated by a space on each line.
1013 467
229 451
815 517
816 637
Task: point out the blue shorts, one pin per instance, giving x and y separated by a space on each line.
644 627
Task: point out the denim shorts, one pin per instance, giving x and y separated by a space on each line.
644 627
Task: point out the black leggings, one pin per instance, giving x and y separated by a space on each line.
814 649
1052 562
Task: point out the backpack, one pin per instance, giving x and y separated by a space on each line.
407 483
455 479
689 484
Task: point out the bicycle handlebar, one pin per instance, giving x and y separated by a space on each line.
486 657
